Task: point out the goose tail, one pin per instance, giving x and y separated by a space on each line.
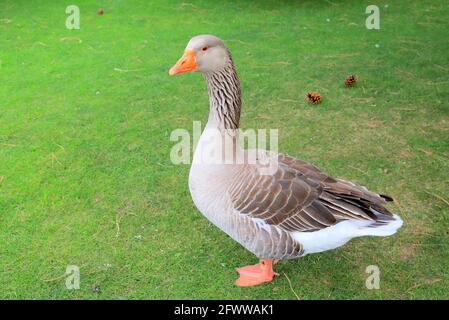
382 228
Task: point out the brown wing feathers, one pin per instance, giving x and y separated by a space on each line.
299 197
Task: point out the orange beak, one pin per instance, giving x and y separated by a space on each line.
186 63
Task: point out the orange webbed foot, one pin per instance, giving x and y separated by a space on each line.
256 274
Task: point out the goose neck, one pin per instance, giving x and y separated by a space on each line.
224 98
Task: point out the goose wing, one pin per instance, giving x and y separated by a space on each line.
299 197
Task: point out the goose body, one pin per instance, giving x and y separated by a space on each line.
288 211
289 214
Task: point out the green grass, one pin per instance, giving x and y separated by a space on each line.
86 115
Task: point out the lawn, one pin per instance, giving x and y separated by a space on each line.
86 116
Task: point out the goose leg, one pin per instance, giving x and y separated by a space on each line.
256 274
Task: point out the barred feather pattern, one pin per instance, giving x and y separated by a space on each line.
225 96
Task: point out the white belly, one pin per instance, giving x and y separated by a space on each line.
208 189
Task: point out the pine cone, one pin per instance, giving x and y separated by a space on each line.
351 80
313 97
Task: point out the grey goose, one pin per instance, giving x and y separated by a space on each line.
292 211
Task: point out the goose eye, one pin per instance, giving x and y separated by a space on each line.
204 48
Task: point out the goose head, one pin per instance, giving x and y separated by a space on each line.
204 53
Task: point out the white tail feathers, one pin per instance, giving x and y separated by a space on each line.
337 235
383 230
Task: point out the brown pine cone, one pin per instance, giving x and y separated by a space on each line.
313 97
351 80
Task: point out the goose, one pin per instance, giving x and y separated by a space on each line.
276 206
